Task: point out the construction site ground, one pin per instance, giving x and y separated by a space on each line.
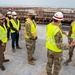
18 61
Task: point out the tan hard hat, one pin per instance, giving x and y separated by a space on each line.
31 12
1 16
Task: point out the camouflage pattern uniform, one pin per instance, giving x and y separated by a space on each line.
55 57
30 43
2 49
71 49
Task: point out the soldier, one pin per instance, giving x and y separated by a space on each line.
30 34
3 40
54 44
15 29
71 39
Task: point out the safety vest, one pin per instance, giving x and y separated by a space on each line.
3 34
73 30
16 26
33 28
51 31
7 19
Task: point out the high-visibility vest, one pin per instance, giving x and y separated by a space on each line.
7 19
51 31
73 30
3 33
33 28
16 26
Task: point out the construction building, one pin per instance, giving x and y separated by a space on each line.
43 15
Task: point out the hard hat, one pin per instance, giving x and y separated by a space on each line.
58 16
1 16
8 13
14 13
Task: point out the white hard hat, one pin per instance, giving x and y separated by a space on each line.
14 13
8 13
58 16
1 16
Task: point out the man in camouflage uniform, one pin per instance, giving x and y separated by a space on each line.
30 37
71 39
54 44
3 40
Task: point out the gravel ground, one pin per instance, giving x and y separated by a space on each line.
18 61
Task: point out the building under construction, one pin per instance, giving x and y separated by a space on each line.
43 15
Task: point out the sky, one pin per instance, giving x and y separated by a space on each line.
39 3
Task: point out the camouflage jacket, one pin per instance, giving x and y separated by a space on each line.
59 40
28 30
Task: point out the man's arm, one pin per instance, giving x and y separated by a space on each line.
11 26
58 40
70 32
28 31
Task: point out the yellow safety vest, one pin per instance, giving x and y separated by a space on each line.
16 26
7 22
73 31
3 34
51 31
33 28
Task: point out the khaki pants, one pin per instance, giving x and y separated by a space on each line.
56 59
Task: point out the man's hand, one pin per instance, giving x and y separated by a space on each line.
72 44
2 44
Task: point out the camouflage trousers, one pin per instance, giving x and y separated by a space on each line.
2 49
30 45
56 59
71 49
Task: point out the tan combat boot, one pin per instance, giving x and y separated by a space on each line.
69 60
31 63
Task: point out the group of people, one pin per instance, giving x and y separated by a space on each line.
11 24
54 39
55 45
8 24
